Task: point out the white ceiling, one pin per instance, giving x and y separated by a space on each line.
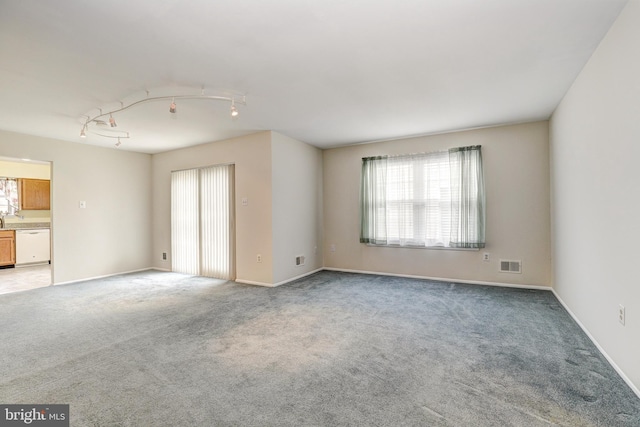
329 73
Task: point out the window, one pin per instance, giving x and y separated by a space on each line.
424 200
8 196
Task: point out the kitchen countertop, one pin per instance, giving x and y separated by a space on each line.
26 226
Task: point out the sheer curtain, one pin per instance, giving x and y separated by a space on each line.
8 196
467 198
373 206
423 200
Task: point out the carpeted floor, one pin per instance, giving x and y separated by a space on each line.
163 349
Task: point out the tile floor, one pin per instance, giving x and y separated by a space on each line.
24 278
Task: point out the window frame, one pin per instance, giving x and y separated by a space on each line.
460 169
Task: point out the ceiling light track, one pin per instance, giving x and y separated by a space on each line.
118 134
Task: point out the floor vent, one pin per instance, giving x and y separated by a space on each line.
510 266
299 260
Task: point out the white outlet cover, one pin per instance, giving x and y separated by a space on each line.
82 204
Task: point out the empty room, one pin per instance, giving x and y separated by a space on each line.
299 213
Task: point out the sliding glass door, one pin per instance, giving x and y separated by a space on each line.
202 222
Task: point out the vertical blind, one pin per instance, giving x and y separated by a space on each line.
185 219
216 223
424 200
202 225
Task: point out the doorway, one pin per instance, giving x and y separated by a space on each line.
25 211
203 221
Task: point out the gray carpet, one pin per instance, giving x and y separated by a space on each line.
163 349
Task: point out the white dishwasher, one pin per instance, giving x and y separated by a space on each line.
33 246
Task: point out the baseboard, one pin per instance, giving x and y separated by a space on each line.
598 346
443 279
299 277
102 277
273 285
251 282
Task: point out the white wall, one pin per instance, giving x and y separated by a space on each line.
595 147
112 234
297 206
252 158
516 166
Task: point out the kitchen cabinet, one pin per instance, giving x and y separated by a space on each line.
35 194
7 247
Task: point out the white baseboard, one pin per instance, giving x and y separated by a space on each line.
299 277
443 279
101 277
273 285
598 346
251 282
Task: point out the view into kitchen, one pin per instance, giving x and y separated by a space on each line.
25 224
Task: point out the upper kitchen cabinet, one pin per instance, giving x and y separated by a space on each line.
34 194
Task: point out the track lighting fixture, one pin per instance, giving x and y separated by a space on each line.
97 120
234 110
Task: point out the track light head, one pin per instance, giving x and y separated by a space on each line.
112 121
234 110
172 107
118 143
83 132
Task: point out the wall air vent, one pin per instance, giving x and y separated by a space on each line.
510 266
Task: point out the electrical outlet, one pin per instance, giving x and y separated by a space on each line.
621 314
485 257
258 258
164 256
332 248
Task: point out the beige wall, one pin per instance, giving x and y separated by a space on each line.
516 166
252 158
297 207
595 147
281 178
17 169
112 235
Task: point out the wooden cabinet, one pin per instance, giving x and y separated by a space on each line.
34 194
7 247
